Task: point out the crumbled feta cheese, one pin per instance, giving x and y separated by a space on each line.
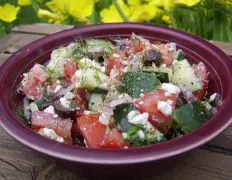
169 101
114 73
172 46
50 109
60 139
51 134
58 87
116 55
65 102
141 102
103 69
87 112
172 89
132 114
167 94
149 126
164 107
78 73
124 135
163 65
58 81
175 61
55 116
69 95
126 69
141 94
139 119
212 97
141 134
104 119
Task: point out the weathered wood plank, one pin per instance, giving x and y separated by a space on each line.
3 57
14 41
223 140
19 162
226 47
41 28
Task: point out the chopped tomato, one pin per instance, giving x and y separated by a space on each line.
75 129
133 48
92 130
81 100
62 127
148 103
114 63
32 84
113 140
201 73
69 69
167 55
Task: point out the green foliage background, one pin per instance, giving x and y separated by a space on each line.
210 19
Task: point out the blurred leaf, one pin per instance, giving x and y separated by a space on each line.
35 5
2 30
94 18
27 16
8 1
120 11
105 3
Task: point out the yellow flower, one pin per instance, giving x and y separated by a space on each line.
78 9
112 15
145 12
158 3
168 4
60 6
226 3
134 2
188 3
24 2
8 12
166 19
81 9
45 14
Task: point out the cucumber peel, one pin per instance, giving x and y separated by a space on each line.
120 116
183 73
137 83
191 116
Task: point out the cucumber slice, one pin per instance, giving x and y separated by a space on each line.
88 63
162 73
183 73
91 79
179 55
58 58
120 116
99 46
96 102
191 116
136 83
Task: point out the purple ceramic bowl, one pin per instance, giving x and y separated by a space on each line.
93 161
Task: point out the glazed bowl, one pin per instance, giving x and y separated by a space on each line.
95 161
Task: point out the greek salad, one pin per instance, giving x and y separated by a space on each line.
116 94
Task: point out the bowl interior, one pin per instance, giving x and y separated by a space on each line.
197 50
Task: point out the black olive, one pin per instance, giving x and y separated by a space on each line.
152 56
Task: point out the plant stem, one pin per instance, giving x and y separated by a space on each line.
120 11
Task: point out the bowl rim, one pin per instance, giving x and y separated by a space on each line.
160 151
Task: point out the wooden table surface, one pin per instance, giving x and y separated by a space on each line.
213 161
